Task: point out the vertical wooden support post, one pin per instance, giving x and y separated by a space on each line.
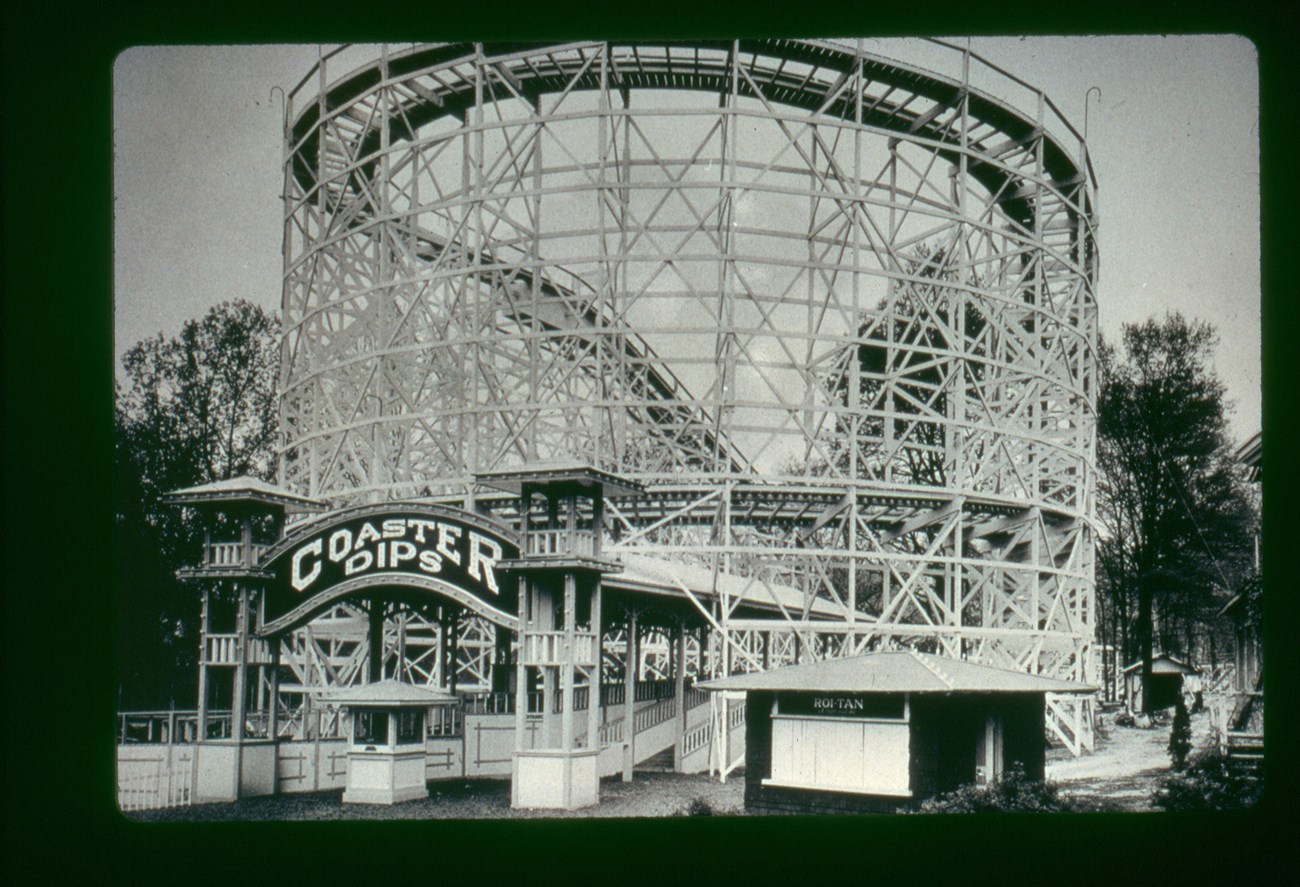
440 673
595 711
724 727
246 541
679 693
501 660
375 641
171 744
521 689
400 669
273 714
241 666
240 689
629 697
202 725
567 669
593 675
314 736
454 659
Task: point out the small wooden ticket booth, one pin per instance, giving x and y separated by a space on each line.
1167 676
386 752
884 731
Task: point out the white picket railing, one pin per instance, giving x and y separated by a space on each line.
158 787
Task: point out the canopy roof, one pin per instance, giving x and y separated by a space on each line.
658 576
245 489
573 474
896 671
388 693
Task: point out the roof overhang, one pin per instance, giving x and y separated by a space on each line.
574 475
243 491
896 671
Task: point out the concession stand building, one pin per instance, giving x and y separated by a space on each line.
887 730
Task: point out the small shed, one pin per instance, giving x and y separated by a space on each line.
386 757
1167 674
886 730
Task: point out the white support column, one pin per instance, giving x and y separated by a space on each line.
202 725
593 674
567 670
629 697
521 692
679 693
241 667
273 712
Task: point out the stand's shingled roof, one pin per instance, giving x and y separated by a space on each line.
901 671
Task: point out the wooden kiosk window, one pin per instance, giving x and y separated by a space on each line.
842 742
410 726
370 727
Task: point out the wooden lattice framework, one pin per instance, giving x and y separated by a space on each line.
835 311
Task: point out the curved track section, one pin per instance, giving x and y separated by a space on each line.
836 311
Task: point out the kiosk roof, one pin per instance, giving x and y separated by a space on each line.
900 671
242 489
388 693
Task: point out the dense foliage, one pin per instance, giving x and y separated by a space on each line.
195 408
1209 783
1015 792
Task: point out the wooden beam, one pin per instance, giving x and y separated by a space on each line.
1002 525
924 519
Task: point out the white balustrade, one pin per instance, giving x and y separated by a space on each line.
542 543
223 649
231 554
547 648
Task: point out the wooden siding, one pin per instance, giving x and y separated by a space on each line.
945 733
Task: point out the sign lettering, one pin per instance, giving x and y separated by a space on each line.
427 542
889 706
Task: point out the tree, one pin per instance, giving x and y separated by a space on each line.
1171 501
196 408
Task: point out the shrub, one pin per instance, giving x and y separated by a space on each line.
1209 783
1180 736
697 807
1013 793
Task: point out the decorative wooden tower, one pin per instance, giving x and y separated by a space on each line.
558 577
241 518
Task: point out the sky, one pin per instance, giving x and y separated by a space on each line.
1173 138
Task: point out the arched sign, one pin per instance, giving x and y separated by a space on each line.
422 547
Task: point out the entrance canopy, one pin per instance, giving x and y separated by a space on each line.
394 550
668 582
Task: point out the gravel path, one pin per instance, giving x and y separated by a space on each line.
649 794
1124 769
